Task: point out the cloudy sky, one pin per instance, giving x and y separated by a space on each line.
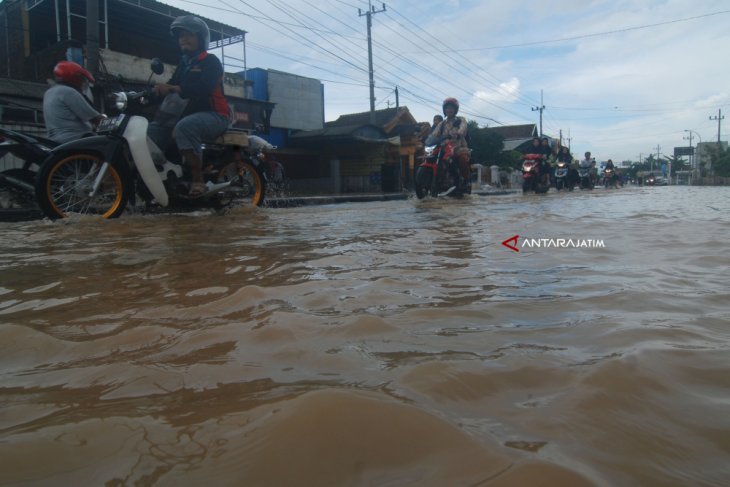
619 78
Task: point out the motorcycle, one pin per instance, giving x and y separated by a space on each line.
584 176
17 184
563 179
439 174
273 170
609 178
105 173
531 176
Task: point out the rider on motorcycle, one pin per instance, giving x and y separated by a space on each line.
69 114
588 162
614 177
537 147
456 129
199 80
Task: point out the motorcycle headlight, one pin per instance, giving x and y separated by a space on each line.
429 150
121 101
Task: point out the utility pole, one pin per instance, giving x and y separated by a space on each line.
397 104
692 156
719 119
369 14
92 36
658 149
540 108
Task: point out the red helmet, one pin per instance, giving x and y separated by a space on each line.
451 101
71 74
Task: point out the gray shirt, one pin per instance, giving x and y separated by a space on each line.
67 113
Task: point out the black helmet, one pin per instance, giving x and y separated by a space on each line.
193 24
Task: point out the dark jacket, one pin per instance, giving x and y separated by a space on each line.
201 83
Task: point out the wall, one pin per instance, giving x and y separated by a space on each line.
299 101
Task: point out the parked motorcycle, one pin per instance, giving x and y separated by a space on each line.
438 174
17 184
104 173
532 180
563 176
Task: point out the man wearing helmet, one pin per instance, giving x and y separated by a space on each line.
67 112
199 80
456 129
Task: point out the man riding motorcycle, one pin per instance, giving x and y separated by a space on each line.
538 147
456 129
68 113
199 80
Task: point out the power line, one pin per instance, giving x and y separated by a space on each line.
585 36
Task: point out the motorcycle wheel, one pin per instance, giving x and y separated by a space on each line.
559 184
526 186
247 185
423 182
64 183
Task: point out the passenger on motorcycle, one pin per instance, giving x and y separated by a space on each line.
199 80
456 129
69 114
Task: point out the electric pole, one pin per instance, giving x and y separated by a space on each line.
369 14
540 108
92 36
658 149
719 119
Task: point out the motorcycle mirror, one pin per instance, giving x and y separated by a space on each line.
157 66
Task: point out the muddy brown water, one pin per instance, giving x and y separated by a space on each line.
384 344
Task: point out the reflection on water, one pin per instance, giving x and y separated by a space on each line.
390 343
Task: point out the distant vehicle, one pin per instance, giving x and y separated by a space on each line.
655 180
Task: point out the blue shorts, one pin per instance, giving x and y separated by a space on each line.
190 131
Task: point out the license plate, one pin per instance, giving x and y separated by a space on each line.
109 124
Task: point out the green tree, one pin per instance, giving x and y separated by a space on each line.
720 157
678 164
486 146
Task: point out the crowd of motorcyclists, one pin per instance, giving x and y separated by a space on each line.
584 172
70 115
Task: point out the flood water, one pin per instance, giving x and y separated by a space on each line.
385 344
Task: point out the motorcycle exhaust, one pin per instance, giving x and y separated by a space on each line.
17 183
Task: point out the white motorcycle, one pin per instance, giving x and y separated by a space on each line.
104 173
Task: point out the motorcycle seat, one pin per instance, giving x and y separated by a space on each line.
233 137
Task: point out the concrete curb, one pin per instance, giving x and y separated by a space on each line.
25 214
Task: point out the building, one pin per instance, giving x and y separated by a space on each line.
39 33
299 102
356 156
515 136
